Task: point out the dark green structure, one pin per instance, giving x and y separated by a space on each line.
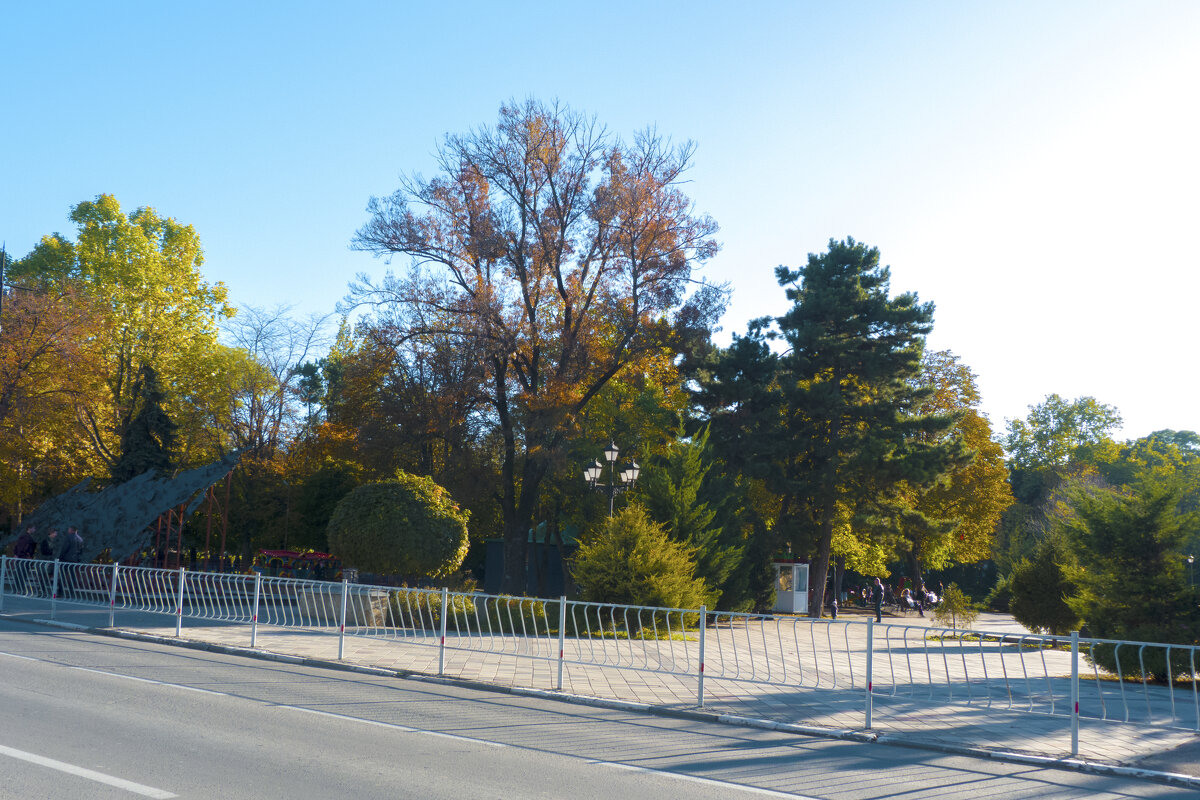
118 518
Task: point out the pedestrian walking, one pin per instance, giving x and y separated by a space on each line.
45 572
72 546
877 599
26 547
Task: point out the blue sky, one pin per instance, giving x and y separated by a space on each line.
1030 167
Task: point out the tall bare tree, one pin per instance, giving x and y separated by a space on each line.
261 412
555 251
267 407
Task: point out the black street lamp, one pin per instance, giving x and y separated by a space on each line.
617 482
1191 570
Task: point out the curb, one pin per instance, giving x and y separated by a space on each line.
848 735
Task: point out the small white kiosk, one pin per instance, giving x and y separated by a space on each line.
791 587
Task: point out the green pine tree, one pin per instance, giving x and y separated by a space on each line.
1041 588
736 393
631 560
851 406
675 492
1134 582
148 435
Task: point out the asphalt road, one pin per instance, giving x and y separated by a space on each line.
84 716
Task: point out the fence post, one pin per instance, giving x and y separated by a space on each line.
1074 693
112 596
562 638
342 621
442 643
870 657
179 605
3 574
54 590
254 611
700 683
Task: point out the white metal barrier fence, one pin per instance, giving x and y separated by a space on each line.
1026 673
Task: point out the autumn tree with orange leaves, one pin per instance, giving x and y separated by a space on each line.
555 254
50 369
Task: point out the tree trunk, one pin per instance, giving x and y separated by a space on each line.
516 527
516 531
914 565
821 565
516 555
518 521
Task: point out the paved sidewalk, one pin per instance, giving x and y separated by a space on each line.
840 712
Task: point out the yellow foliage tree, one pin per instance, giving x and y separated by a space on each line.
49 370
973 497
141 274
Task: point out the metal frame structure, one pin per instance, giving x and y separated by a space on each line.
852 663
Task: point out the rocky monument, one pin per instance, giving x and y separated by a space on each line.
118 518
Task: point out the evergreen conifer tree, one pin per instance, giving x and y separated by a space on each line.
1042 587
851 407
631 560
1134 583
674 493
148 435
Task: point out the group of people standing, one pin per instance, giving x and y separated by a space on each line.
67 549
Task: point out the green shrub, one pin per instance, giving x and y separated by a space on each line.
508 615
1000 597
475 614
632 561
1041 589
408 526
1134 583
1137 661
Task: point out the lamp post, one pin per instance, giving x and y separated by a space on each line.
617 482
1191 570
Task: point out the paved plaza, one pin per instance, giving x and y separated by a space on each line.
934 720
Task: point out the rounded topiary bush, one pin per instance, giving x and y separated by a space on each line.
409 526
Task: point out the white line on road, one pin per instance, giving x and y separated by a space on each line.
737 787
115 675
83 772
393 726
405 729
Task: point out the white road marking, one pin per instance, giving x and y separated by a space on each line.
23 658
394 726
405 729
115 675
378 723
736 787
196 689
83 772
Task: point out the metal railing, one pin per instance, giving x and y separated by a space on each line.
859 663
